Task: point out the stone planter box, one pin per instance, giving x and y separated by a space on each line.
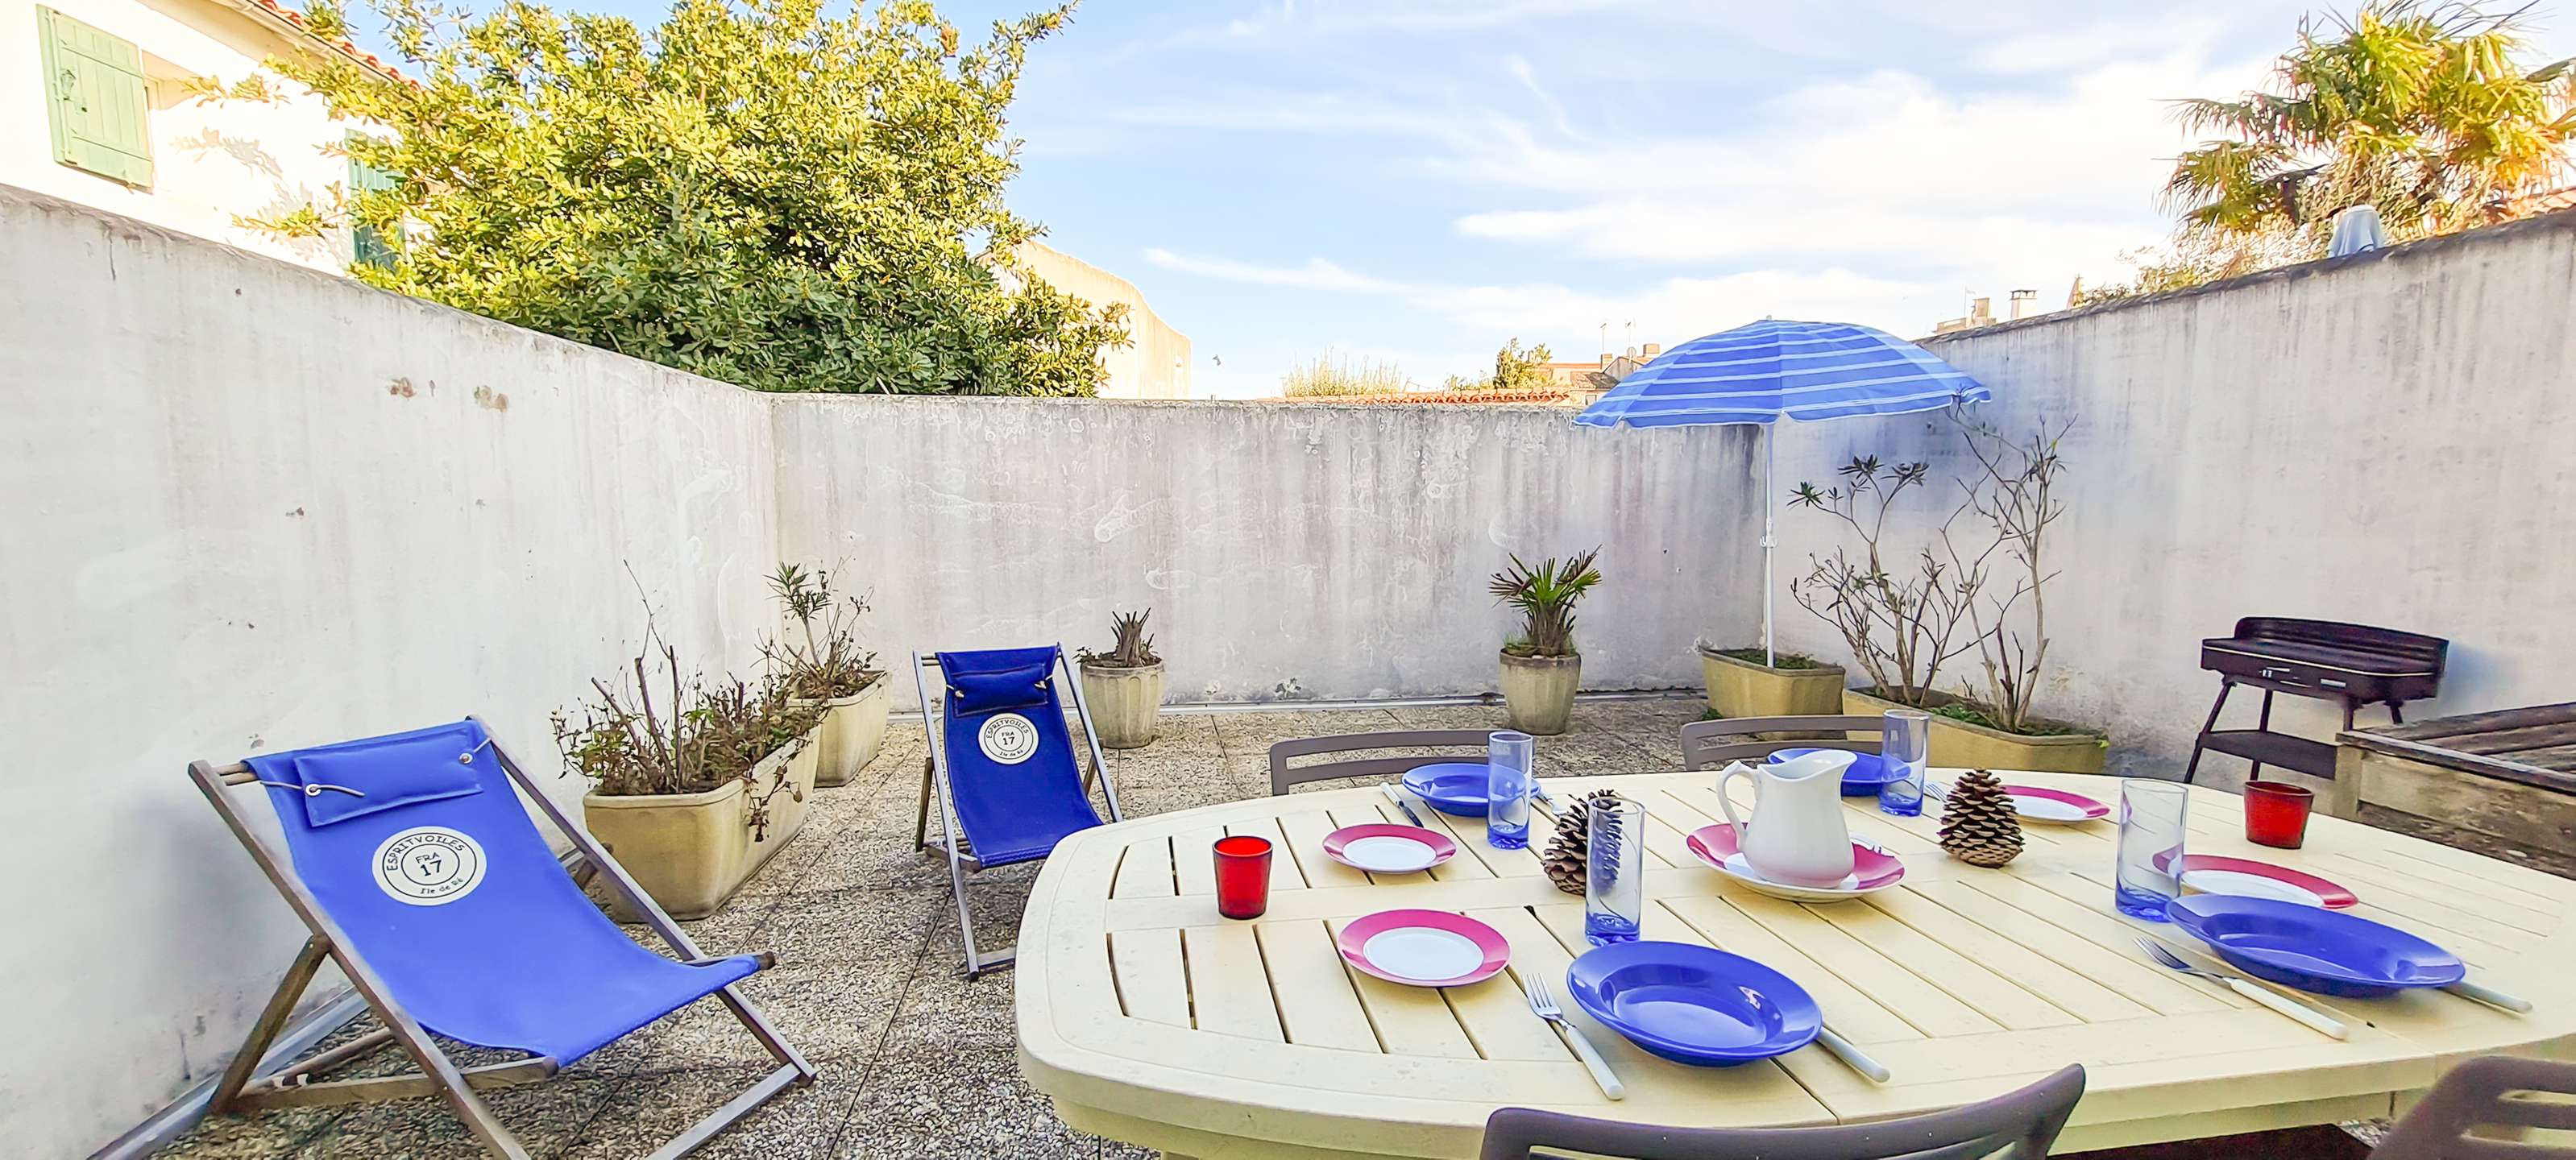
692 852
1750 689
1126 704
1962 745
1538 692
852 731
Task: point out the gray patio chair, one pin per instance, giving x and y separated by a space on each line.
1710 744
1470 744
2490 1092
2017 1126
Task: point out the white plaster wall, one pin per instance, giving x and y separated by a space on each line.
2383 440
1287 552
210 161
249 506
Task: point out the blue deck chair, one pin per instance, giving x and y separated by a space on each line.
1001 767
415 868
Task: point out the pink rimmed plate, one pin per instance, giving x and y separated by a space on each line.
2244 877
2055 806
1381 848
1424 948
1872 869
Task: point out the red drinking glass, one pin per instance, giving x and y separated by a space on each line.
2276 813
1242 876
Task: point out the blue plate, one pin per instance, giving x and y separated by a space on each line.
1691 1004
2325 951
1456 787
1866 774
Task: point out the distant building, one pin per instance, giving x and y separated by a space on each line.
1981 312
97 106
1155 363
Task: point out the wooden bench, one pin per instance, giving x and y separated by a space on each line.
2510 774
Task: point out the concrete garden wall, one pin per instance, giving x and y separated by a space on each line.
2383 440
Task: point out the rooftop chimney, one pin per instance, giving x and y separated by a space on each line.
1653 349
2025 303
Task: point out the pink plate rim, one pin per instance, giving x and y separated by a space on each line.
2332 895
1442 849
1358 931
1871 869
2092 808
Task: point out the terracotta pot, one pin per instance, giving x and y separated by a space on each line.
1126 704
1751 689
853 730
692 852
1538 692
1965 746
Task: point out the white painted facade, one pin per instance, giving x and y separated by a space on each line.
211 161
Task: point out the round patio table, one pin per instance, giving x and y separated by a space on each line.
1148 1018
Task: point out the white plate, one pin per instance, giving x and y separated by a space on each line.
1390 855
2249 886
2040 809
1420 952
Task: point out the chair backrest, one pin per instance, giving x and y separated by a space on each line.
1008 757
2489 1092
2018 1126
1469 743
1710 744
416 847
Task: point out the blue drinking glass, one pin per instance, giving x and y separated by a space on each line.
1507 789
1614 883
2153 820
1905 747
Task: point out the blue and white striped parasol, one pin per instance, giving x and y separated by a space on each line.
1770 370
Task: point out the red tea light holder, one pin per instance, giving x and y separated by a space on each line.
2276 813
1242 876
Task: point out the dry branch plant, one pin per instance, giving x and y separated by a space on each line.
828 663
1901 626
2015 495
693 740
1130 647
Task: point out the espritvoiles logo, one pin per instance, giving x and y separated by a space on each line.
429 866
1008 738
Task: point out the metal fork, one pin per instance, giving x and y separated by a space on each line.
1543 1005
1546 801
2318 1020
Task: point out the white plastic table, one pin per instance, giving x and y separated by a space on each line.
1148 1018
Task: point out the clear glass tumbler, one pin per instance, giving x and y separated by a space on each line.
1905 745
1614 884
2153 820
1507 789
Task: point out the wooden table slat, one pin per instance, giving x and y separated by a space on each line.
1229 986
1316 1000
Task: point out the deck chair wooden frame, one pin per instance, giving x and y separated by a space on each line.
952 841
296 1084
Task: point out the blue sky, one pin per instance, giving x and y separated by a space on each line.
1416 181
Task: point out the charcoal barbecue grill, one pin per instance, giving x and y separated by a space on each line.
2353 664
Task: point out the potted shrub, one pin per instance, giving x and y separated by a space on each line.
1792 684
1903 625
696 792
1123 687
1541 669
823 666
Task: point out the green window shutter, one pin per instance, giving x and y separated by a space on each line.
371 246
96 85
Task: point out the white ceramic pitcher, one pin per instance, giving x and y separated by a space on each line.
1796 834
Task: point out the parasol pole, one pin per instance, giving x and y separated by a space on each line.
1768 660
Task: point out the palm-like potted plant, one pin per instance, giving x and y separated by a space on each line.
1541 669
1123 687
695 787
822 664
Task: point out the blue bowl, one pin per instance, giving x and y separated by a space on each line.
1866 774
2325 951
1693 1004
1454 787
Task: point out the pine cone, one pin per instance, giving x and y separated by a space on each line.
1569 854
1978 824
